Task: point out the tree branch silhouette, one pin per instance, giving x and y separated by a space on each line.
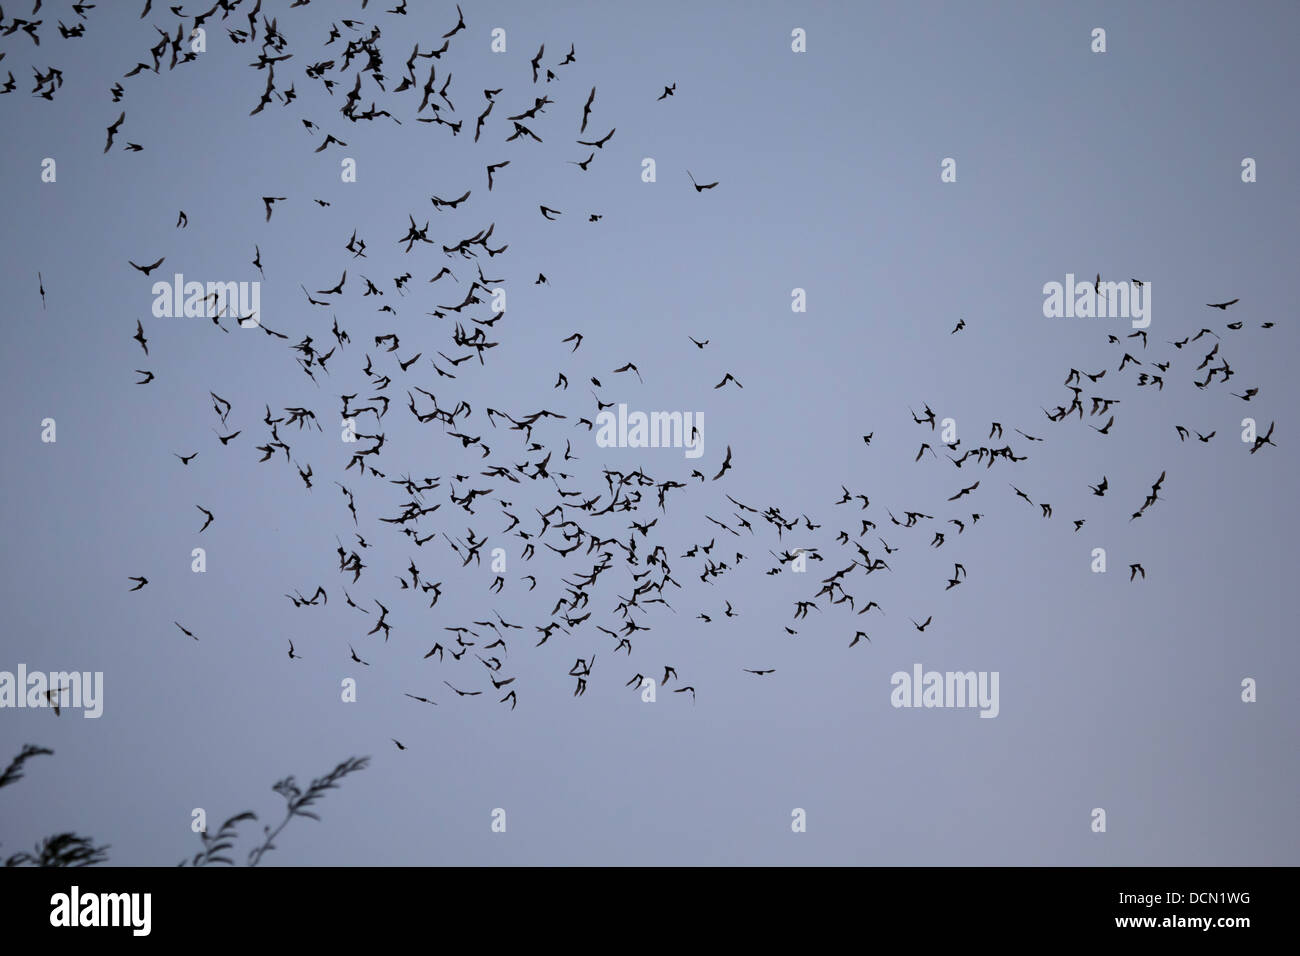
70 849
62 849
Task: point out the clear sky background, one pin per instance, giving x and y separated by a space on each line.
1119 695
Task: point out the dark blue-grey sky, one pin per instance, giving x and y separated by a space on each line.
1119 695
